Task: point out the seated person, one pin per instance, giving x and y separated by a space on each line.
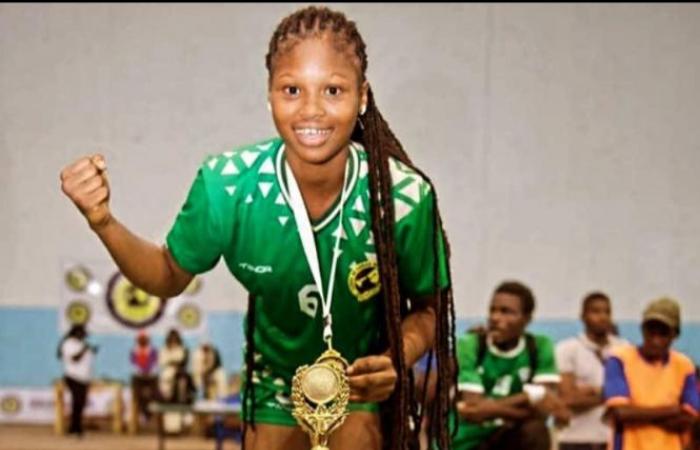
507 379
650 390
174 382
208 374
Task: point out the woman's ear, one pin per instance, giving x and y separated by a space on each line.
363 97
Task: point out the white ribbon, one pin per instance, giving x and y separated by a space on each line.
309 243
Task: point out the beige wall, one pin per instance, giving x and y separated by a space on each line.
562 139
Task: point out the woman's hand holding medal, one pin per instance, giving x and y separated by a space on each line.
371 378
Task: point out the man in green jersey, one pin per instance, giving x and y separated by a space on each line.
506 378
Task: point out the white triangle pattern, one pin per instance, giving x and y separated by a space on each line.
401 209
363 169
230 189
249 157
264 146
229 168
412 190
280 200
342 233
371 256
397 175
249 199
357 225
212 162
359 207
267 167
265 188
283 220
228 154
370 241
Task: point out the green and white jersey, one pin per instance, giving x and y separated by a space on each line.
501 374
238 208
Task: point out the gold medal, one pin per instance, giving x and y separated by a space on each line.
320 395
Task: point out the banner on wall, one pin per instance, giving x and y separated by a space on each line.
38 406
99 295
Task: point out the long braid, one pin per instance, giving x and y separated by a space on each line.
382 207
381 144
249 391
445 319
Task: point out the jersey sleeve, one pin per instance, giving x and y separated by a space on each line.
416 241
469 378
690 396
195 238
546 371
616 390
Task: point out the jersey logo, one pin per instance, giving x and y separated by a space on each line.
363 280
257 269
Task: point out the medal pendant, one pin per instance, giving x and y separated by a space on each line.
320 393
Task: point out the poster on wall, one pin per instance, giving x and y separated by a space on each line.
99 295
38 405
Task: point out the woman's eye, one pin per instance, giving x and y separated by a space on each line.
291 90
333 90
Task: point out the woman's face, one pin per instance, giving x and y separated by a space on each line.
315 92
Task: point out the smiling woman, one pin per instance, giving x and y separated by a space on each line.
329 220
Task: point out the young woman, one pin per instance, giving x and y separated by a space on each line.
329 220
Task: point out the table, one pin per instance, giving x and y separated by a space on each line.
203 408
96 386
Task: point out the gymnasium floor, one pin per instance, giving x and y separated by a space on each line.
23 437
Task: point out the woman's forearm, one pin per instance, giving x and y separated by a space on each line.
145 264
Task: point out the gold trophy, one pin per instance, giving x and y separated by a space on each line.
320 395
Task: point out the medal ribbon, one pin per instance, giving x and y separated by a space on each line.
308 242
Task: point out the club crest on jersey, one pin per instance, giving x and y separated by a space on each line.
363 280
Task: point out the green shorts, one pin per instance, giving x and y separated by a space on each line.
273 405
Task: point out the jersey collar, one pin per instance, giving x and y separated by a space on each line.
350 184
512 353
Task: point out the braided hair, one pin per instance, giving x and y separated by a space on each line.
402 412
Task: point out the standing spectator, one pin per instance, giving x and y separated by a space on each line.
581 362
506 379
143 356
650 390
77 355
144 383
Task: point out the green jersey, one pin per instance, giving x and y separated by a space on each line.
238 208
501 374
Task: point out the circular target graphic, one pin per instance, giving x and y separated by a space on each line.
10 405
78 312
130 305
189 316
194 286
77 278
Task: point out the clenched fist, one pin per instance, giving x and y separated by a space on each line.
85 183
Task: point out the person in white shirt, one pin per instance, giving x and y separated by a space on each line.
77 356
581 364
172 359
